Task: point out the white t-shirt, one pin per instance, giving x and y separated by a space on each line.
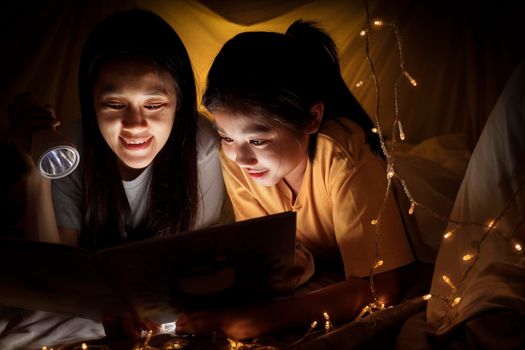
67 192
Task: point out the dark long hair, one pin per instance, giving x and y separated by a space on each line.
281 76
172 197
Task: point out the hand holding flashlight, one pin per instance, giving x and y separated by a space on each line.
33 130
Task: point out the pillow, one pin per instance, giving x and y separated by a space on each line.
493 186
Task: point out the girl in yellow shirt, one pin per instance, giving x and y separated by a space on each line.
294 138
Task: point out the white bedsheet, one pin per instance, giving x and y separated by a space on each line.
26 329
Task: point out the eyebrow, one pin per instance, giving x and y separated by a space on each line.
156 91
251 129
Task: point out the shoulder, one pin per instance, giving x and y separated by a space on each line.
207 139
342 139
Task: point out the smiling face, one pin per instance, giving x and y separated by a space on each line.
135 106
268 153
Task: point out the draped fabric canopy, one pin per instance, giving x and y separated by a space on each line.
460 52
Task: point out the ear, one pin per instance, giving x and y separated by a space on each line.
316 111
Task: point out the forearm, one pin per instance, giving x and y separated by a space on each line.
342 301
40 222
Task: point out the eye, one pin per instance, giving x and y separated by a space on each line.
226 140
258 142
115 106
153 107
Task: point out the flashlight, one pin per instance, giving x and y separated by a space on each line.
54 155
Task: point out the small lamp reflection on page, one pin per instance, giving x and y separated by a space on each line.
54 155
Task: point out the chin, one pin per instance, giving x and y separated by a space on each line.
269 183
137 165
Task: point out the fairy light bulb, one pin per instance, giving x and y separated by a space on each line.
517 246
374 222
234 344
327 324
468 257
427 296
359 84
448 281
410 78
84 346
491 224
412 207
311 329
378 263
448 235
362 33
455 302
401 132
390 171
374 130
378 23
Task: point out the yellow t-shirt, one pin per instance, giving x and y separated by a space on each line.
342 192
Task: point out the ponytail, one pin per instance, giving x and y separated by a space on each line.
320 49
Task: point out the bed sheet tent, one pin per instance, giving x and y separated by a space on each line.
461 53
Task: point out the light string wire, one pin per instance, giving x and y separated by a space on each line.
453 299
389 154
377 221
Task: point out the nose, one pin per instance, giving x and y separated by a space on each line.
244 156
134 121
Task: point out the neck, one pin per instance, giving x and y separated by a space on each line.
129 174
295 178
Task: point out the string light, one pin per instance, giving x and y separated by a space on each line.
390 173
401 132
235 344
427 296
477 244
328 326
412 207
455 302
516 245
410 79
468 257
448 281
448 234
359 84
378 263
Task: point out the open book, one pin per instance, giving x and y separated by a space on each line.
157 277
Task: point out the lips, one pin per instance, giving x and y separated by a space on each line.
135 144
256 174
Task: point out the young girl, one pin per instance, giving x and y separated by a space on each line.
149 163
294 138
148 160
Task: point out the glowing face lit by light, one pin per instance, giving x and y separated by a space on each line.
267 153
135 106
